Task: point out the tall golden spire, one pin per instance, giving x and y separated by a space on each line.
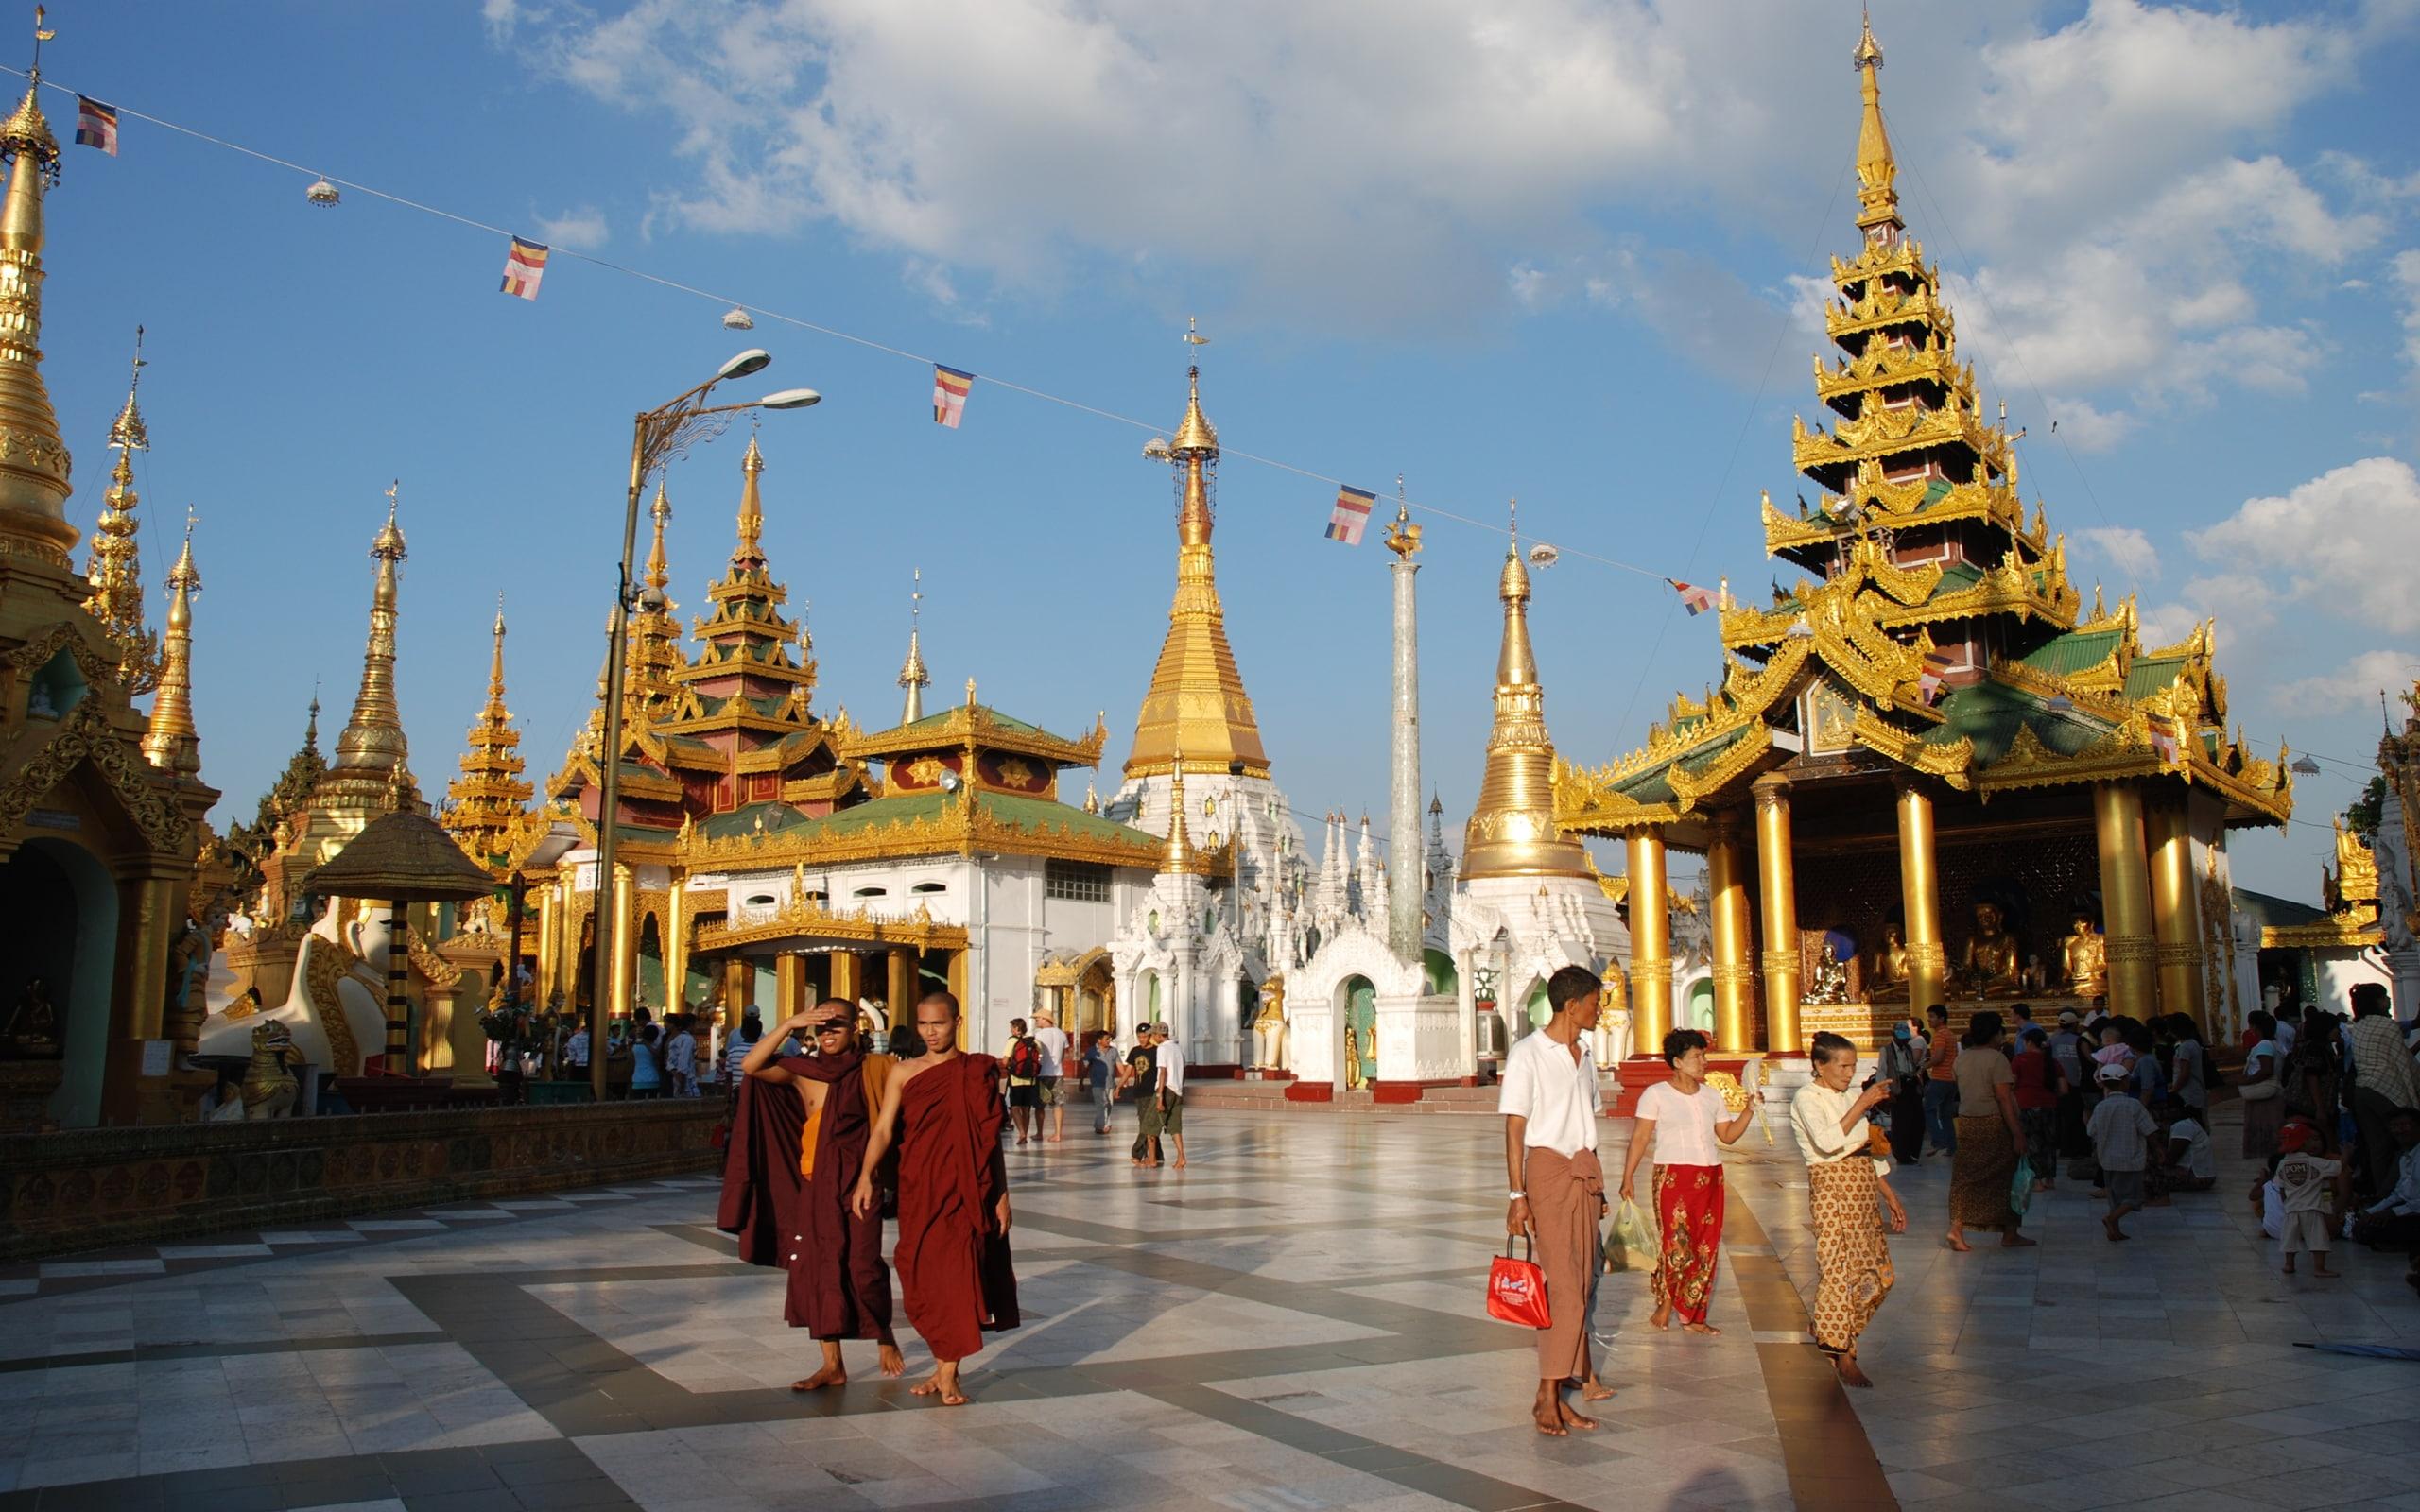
749 556
33 459
1196 700
114 570
372 750
1877 171
912 674
487 799
172 742
1177 856
655 634
1512 831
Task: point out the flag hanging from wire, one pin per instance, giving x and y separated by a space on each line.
524 266
1693 598
1938 665
96 125
950 388
2163 743
1350 515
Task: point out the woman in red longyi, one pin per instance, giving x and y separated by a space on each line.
1680 1120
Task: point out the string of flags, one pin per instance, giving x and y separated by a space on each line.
95 125
524 265
950 388
1693 598
1350 515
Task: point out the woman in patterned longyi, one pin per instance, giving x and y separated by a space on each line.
1679 1121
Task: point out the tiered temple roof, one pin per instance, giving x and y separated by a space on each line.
485 804
115 567
1938 630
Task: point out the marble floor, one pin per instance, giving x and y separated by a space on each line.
1292 1324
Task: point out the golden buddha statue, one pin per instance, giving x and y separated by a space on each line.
1992 959
1353 1080
2087 957
1889 979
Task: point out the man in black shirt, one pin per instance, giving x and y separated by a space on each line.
1143 1076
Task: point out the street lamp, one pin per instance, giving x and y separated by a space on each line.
657 435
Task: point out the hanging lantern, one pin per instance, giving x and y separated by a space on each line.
322 192
737 318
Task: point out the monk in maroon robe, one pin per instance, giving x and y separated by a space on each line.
943 1110
804 1121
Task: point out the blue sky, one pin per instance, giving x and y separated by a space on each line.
1562 252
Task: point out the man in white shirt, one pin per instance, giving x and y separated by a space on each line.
1550 1100
1052 1042
1171 1064
576 1050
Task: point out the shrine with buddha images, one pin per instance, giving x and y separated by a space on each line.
1928 772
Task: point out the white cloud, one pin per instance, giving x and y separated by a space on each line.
2128 549
2353 685
1378 170
2340 542
583 229
2087 428
2165 625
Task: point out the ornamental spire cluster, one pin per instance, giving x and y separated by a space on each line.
655 634
114 569
486 801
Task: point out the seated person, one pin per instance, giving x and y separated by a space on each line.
2184 1156
2392 1222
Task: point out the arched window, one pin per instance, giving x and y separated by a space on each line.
930 886
871 892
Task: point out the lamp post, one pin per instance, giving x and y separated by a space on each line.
656 436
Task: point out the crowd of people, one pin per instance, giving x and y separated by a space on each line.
2122 1104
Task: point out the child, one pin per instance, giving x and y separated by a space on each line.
2121 1128
2305 1182
2186 1163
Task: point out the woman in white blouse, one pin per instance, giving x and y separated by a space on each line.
1846 1189
1680 1120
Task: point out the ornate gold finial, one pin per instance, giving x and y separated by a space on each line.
912 674
1512 831
1197 698
970 693
372 750
486 801
1877 171
114 569
34 461
749 555
659 570
1403 537
170 741
1178 855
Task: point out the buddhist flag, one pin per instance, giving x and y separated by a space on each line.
950 388
2163 743
1350 515
1693 598
1938 665
96 125
523 267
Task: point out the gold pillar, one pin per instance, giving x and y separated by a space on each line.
789 985
547 943
739 989
1651 943
848 975
676 951
1727 883
148 916
905 987
1919 898
2125 900
2175 918
626 940
1777 883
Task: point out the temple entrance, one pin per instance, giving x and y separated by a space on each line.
1698 1012
1095 997
1438 977
650 985
63 909
1361 1017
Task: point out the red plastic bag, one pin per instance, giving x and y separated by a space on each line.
1517 1290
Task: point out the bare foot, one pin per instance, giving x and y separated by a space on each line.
1180 1162
828 1376
941 1384
2323 1272
1957 1243
2109 1227
1548 1416
1573 1419
893 1363
1595 1391
1707 1329
1661 1318
2013 1240
1850 1374
2290 1268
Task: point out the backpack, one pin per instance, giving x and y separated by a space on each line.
1024 1059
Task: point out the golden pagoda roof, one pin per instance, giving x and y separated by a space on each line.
1196 703
978 725
1512 831
488 801
371 749
35 464
170 740
1942 634
114 570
